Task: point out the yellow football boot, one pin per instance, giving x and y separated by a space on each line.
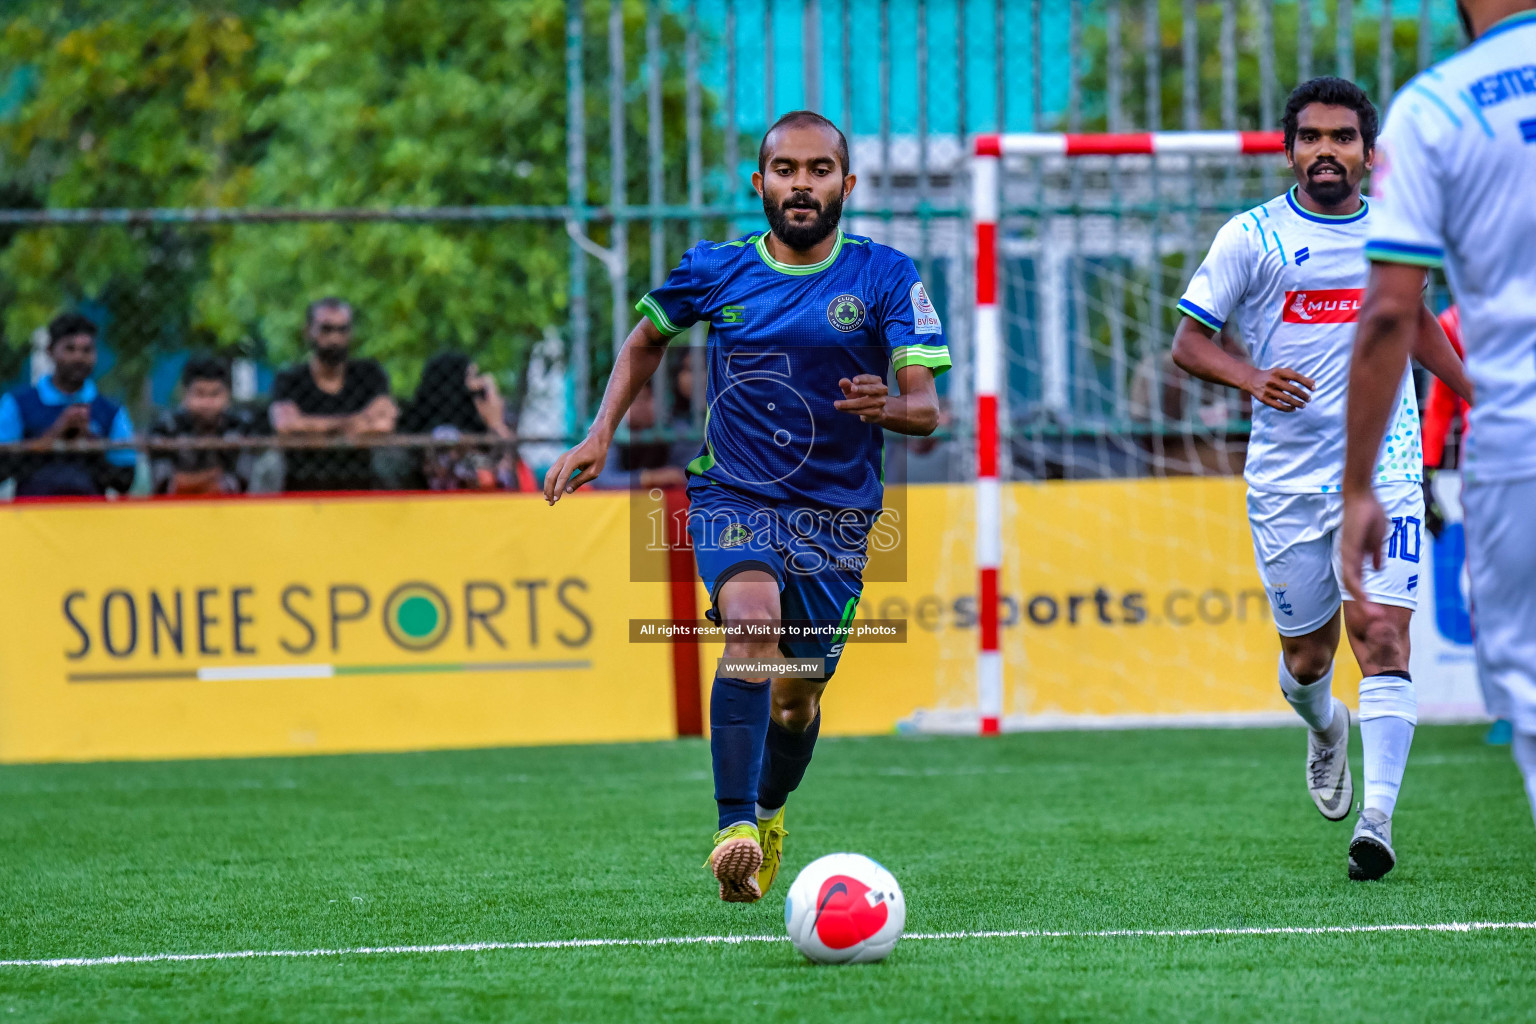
735 860
773 832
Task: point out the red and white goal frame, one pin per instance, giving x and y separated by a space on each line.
987 155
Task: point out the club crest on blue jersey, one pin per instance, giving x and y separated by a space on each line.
735 536
846 313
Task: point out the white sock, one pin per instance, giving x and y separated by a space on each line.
764 813
1312 701
1524 744
1389 709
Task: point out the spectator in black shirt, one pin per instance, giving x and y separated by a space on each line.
205 412
331 395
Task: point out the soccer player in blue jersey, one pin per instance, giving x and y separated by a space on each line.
804 321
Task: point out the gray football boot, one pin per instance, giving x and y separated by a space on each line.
1328 778
1370 851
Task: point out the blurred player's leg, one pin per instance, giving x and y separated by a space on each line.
738 724
1525 756
1501 554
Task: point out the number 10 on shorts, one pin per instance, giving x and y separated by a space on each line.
1405 540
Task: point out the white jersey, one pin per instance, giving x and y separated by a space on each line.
1291 282
1456 178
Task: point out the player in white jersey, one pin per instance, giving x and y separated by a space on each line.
1459 189
1289 276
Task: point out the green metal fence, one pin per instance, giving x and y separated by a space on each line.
505 179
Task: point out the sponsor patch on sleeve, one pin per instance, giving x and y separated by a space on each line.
925 319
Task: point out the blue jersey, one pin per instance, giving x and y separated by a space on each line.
780 339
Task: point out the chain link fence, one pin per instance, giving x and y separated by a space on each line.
481 333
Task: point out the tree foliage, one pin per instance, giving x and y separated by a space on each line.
318 104
126 110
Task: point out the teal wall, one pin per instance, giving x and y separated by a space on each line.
981 70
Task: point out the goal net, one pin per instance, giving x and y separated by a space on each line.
1110 557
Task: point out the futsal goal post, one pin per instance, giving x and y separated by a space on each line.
1082 244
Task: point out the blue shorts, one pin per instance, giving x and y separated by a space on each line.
817 556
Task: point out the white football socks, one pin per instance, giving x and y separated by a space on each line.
1524 745
1389 709
764 813
1312 701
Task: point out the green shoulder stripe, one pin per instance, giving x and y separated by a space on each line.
937 363
1195 313
658 316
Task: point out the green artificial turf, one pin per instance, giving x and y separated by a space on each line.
1070 831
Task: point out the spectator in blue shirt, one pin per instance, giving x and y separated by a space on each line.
66 405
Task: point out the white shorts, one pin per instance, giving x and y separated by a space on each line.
1296 550
1501 556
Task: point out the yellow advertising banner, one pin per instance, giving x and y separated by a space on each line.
1128 599
229 628
225 628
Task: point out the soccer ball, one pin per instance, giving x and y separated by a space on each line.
845 909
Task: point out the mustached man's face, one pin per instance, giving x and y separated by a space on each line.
74 360
331 334
1329 156
803 185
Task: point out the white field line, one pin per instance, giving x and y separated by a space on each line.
731 940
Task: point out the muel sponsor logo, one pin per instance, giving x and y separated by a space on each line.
1328 306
